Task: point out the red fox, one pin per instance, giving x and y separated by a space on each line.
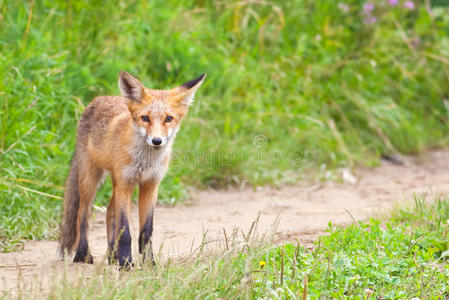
130 136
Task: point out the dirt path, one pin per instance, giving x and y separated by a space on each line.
304 210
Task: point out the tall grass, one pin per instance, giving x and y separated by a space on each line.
291 85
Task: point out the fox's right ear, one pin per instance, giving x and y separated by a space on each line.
130 86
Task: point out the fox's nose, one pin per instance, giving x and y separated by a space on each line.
156 141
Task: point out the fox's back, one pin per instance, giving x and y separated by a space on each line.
104 131
99 114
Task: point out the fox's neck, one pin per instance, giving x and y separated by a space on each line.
147 162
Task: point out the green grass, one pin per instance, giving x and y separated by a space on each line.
291 85
386 260
400 258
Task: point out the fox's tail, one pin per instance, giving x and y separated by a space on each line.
71 204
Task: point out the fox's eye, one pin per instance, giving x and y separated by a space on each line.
145 119
168 119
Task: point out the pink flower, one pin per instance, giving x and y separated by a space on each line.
368 7
409 4
393 2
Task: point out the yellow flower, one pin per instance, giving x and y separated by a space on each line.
262 264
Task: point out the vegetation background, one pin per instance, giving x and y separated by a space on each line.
291 85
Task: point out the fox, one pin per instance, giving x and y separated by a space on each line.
129 137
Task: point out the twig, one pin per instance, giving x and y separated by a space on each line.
352 217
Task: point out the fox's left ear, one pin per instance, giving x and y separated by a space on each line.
186 92
130 86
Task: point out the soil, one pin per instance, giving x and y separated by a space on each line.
302 211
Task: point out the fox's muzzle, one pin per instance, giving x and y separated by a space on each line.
156 141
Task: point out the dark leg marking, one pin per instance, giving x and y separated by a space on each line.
83 253
124 242
145 237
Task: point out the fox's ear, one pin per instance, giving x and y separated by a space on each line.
186 92
130 86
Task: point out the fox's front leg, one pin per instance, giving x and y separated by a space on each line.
122 203
147 202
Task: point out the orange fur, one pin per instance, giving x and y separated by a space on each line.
130 137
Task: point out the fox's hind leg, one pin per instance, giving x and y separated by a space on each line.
147 202
111 229
89 179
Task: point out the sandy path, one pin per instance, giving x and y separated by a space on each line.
304 210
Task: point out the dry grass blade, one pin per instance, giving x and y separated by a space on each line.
32 190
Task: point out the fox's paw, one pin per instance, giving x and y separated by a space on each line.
88 259
125 263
